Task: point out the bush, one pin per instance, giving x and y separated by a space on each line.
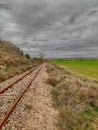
27 56
76 99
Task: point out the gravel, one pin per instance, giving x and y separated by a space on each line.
8 99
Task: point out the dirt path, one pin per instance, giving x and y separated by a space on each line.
42 115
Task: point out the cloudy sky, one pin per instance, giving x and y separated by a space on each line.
59 28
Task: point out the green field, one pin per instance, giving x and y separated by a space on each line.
87 68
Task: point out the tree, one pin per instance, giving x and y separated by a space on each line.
35 58
27 56
41 55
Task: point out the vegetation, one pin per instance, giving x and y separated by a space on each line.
86 68
76 98
27 56
13 61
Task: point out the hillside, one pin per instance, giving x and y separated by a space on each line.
9 54
12 61
9 47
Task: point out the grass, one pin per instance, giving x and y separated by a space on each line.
13 61
86 68
12 71
76 100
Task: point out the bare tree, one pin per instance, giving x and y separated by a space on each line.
41 55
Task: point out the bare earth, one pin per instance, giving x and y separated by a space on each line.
35 111
42 116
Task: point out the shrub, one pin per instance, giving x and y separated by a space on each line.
27 56
76 99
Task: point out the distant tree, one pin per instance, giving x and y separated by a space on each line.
27 56
35 58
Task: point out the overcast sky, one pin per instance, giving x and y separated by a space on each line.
59 28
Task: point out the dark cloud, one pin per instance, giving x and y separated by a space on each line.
41 14
92 12
73 18
64 28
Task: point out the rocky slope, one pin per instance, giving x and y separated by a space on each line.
10 54
12 60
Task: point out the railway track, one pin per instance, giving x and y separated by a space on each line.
11 85
11 96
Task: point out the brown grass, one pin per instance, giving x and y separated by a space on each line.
12 61
76 98
11 71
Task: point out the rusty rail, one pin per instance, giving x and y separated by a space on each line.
15 104
11 85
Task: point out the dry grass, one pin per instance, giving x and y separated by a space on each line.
11 71
76 98
28 107
12 61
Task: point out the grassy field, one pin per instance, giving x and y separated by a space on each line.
87 68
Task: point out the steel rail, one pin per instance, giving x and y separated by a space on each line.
11 85
15 104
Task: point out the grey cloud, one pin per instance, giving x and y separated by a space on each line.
92 12
38 15
60 28
34 15
73 18
83 44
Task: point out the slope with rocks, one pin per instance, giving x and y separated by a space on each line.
12 61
